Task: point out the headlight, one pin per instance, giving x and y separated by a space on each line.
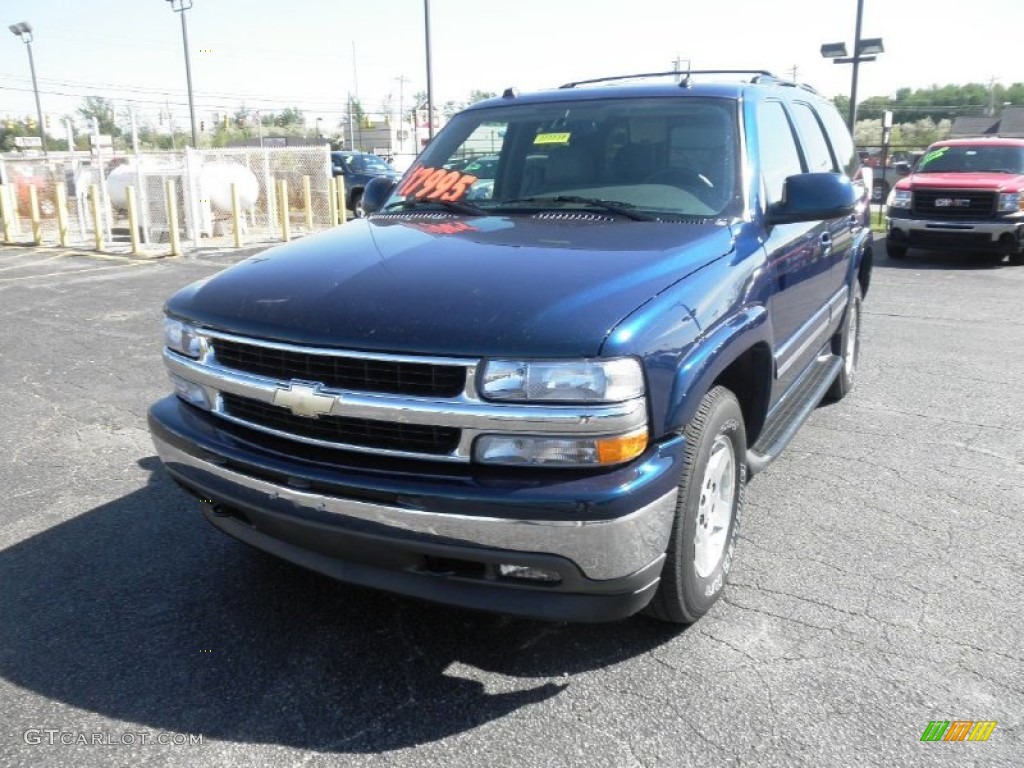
899 198
559 451
1011 202
182 338
591 381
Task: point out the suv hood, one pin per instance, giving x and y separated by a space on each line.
992 181
449 286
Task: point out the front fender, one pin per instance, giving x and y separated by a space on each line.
710 356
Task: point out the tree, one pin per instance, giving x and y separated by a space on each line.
102 110
450 108
289 116
475 96
10 129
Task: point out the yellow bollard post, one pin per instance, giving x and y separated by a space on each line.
62 213
5 214
342 203
97 221
332 202
307 199
282 205
33 207
12 207
133 220
236 215
172 218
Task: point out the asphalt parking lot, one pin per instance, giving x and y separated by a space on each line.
877 587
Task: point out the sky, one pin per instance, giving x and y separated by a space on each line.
310 54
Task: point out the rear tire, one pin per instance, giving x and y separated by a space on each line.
706 525
357 204
1017 259
847 345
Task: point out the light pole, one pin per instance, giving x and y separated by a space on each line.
179 7
24 30
430 76
863 50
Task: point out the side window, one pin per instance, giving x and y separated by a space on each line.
839 136
819 158
776 148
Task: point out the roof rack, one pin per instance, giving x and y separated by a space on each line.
760 75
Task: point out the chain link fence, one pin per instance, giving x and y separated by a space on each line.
279 193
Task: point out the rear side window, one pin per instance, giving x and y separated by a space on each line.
839 137
816 151
776 147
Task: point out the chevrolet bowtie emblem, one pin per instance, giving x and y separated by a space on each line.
304 400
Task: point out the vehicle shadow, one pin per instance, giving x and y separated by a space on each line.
945 260
140 611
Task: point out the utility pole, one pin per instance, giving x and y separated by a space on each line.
677 62
991 110
792 72
402 80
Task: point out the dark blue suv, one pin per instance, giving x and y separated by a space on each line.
542 392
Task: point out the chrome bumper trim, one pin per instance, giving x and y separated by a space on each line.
993 227
603 549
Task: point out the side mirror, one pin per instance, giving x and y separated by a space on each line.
377 191
902 168
813 197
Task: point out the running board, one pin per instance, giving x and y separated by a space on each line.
792 412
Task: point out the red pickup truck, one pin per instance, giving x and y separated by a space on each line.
964 195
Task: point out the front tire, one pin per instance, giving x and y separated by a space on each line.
895 252
357 204
847 346
706 524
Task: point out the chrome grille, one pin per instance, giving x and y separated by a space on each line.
342 430
341 372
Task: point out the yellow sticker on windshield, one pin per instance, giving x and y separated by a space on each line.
552 138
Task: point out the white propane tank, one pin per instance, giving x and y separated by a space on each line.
124 176
215 180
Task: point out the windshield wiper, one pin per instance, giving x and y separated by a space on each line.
466 208
613 206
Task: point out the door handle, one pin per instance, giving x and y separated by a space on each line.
826 243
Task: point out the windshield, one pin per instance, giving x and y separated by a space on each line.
660 157
973 159
374 163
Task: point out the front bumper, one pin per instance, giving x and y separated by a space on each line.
990 235
441 534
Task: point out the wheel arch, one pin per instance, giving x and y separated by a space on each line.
737 355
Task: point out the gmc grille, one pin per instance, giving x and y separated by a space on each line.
954 204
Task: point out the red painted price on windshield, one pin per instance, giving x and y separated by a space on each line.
427 183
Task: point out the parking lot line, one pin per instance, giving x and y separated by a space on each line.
29 264
70 272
